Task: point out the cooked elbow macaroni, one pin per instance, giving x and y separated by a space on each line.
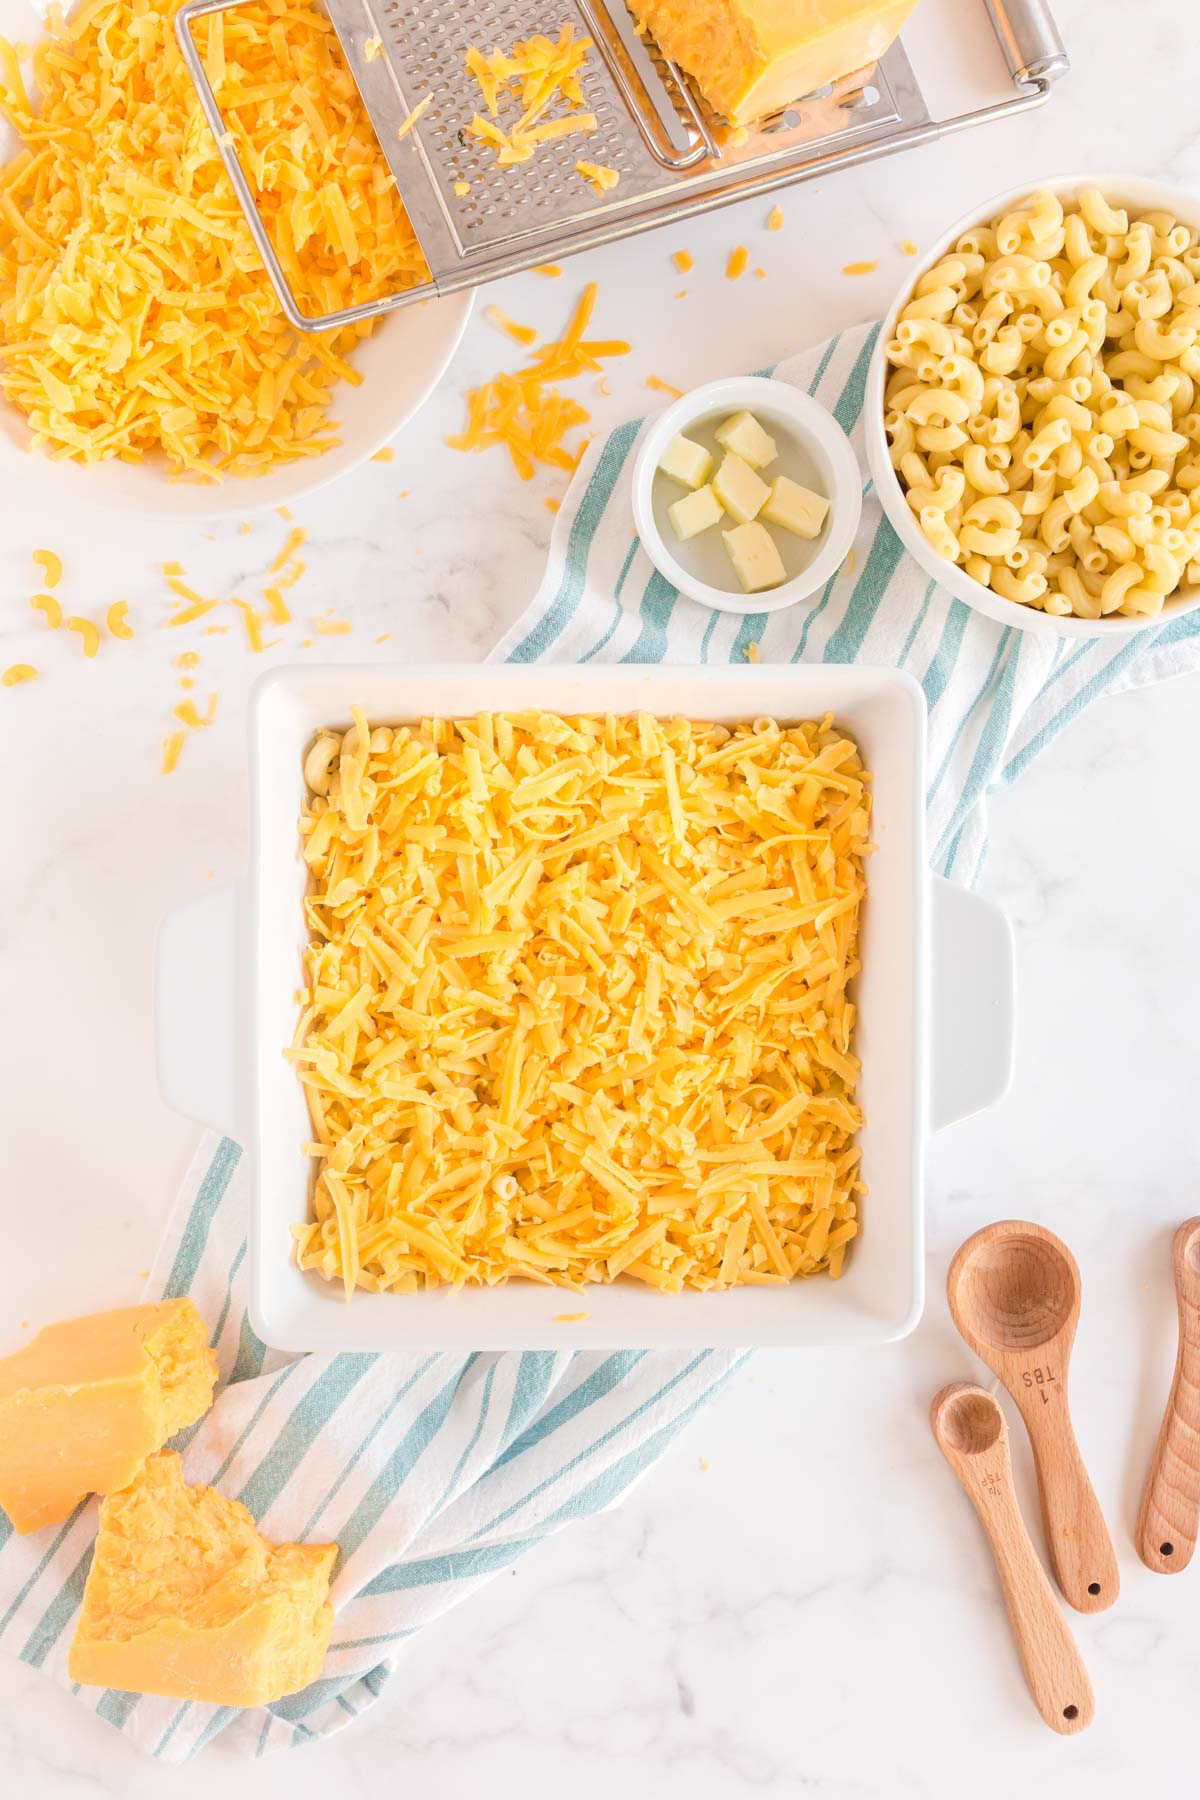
1042 410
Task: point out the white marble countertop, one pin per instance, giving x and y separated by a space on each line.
798 1598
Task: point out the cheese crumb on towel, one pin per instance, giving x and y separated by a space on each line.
576 1001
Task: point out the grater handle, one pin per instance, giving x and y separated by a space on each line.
227 148
1030 40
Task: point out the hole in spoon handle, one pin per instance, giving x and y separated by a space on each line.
1081 1551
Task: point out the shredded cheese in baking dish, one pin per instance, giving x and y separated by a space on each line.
576 1001
135 314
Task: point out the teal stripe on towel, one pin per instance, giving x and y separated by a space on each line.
195 1236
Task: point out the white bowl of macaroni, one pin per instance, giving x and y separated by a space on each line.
1033 407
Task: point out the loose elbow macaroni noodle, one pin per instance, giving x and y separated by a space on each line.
1042 410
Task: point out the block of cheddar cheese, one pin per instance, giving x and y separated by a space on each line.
750 58
185 1599
87 1401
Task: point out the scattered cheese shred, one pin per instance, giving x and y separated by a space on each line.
252 623
601 179
751 652
117 620
570 1318
736 265
329 625
761 274
538 75
49 607
384 455
421 107
294 541
187 714
175 568
551 504
371 48
16 673
908 247
171 751
775 219
521 334
683 260
547 269
187 614
462 189
859 268
88 633
575 1002
525 412
284 514
280 613
50 565
135 316
663 387
383 637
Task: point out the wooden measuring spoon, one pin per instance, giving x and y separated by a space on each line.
1169 1520
973 1437
1014 1295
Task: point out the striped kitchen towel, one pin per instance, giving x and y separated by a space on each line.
996 696
432 1473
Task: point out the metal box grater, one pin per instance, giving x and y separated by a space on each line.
673 156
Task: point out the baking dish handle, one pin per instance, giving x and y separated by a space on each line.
196 1010
974 981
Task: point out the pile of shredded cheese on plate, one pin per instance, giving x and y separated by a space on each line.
576 1001
135 314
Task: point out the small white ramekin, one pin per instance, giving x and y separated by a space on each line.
780 408
1139 195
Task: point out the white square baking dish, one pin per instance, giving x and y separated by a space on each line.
229 969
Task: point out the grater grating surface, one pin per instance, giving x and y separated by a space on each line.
672 156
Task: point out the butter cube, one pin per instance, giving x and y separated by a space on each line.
796 508
746 438
739 489
695 512
686 461
86 1402
756 560
185 1599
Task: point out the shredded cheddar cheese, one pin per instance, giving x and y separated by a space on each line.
50 609
736 265
525 413
135 316
859 268
50 565
172 750
188 714
117 620
421 107
384 455
683 260
17 673
550 269
775 219
663 387
569 1318
88 633
539 75
908 247
520 334
576 1004
371 48
599 178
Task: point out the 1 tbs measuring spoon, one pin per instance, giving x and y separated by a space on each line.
1014 1295
1169 1520
973 1437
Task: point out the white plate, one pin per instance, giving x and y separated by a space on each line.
401 365
1139 195
229 967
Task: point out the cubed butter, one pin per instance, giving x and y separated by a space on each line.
185 1599
796 508
752 57
695 512
755 557
87 1401
746 438
739 489
686 461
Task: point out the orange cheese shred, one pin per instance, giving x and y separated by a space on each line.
859 268
538 75
736 265
172 749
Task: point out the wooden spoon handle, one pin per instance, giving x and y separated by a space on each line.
1169 1519
1081 1551
1054 1669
